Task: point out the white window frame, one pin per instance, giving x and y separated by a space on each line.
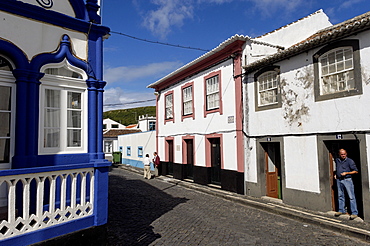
213 92
187 97
64 85
336 72
268 88
169 106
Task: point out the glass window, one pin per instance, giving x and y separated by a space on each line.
151 125
128 151
267 84
104 126
337 71
187 96
62 122
4 64
5 123
140 151
62 71
74 119
212 92
52 119
169 106
114 125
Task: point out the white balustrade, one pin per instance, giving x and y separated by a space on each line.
47 198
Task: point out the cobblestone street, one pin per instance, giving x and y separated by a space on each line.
155 212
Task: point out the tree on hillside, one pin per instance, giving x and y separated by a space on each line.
129 116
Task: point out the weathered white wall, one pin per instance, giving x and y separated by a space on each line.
299 112
251 161
201 126
41 37
301 169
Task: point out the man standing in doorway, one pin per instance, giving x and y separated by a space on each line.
345 168
156 162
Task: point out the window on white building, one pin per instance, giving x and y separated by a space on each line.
337 71
140 151
268 88
169 106
187 96
213 93
114 126
151 125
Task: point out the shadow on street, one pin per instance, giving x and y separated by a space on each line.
133 206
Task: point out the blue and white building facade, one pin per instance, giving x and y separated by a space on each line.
53 176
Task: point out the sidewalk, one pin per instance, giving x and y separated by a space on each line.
356 228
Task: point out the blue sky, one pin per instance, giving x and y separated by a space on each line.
130 64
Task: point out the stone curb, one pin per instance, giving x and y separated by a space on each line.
296 213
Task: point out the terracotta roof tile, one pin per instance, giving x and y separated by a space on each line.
116 132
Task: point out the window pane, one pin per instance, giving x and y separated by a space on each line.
52 138
74 138
74 100
52 118
74 119
52 98
5 98
4 150
350 80
348 64
5 124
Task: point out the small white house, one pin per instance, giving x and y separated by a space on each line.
111 124
134 146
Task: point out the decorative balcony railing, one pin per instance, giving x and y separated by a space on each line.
43 199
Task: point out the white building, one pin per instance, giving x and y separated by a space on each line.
302 105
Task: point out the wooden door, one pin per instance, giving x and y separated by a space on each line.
272 162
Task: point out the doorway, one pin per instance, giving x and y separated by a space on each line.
353 151
189 145
170 156
272 169
215 160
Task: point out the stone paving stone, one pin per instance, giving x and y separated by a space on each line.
155 212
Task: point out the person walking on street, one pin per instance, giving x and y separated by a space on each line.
345 168
156 162
147 173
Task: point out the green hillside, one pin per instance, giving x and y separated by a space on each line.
129 116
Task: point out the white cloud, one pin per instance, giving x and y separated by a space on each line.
132 73
117 98
215 1
349 3
169 13
267 7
